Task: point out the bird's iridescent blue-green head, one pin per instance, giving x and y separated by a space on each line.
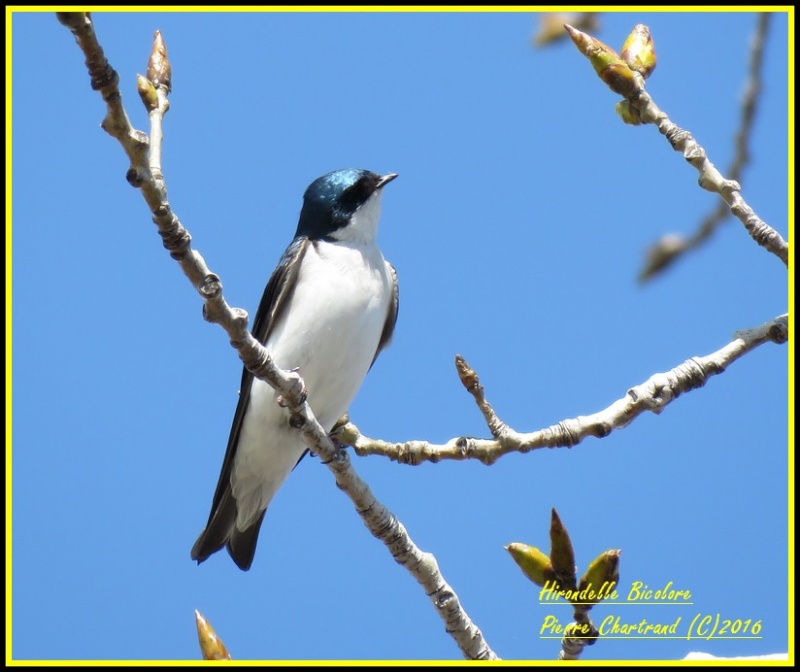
331 200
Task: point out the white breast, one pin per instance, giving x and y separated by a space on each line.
330 331
333 325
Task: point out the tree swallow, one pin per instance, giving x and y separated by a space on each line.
328 309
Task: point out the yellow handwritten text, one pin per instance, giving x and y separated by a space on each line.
590 593
640 592
612 625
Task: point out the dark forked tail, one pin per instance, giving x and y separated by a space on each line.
221 531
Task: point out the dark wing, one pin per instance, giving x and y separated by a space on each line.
274 300
391 316
277 292
221 528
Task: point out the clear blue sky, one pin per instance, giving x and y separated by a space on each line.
517 227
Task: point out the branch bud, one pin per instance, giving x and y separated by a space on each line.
211 646
639 52
551 25
147 92
159 70
607 64
467 376
628 113
602 575
561 554
533 563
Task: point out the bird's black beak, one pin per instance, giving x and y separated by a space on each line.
384 180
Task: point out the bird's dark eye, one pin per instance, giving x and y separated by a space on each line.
358 193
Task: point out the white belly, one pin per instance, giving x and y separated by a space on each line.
330 331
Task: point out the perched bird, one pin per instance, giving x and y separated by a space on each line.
328 309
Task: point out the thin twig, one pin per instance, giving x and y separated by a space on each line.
653 395
671 247
627 79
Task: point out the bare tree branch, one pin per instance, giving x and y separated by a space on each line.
145 174
627 79
662 254
653 395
